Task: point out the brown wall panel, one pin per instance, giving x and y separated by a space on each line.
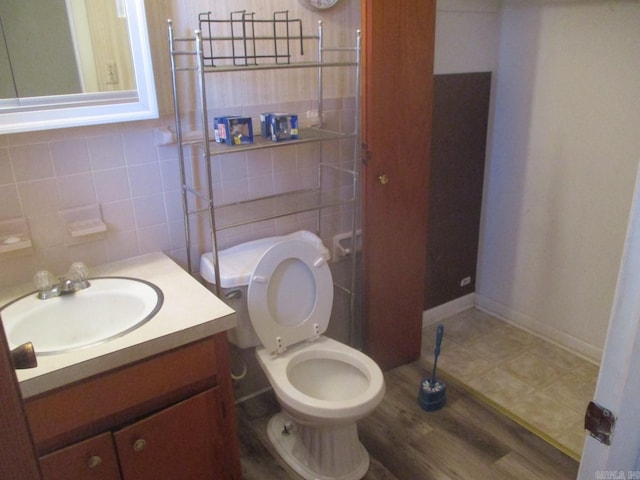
459 136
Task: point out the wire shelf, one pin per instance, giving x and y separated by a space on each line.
247 40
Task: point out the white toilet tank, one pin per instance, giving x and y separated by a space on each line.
237 264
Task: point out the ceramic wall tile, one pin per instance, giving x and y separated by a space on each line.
119 216
6 171
31 162
76 190
39 197
10 202
70 156
149 210
139 147
145 179
106 151
112 185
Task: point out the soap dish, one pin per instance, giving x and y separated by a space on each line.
83 221
86 227
14 235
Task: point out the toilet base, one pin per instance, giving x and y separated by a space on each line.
322 453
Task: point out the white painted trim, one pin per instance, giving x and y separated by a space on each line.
73 114
448 309
618 385
515 318
540 329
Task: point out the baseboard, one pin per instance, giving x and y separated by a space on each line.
435 314
531 325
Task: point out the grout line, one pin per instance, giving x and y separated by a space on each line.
511 415
551 439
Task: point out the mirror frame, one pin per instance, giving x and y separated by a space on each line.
62 111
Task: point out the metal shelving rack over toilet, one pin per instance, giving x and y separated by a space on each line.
251 51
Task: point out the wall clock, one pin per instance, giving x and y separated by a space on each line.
319 5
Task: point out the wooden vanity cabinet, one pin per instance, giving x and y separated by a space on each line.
167 417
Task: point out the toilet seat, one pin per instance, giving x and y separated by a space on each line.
290 295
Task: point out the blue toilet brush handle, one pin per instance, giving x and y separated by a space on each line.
436 352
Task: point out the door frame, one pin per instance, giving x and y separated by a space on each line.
618 386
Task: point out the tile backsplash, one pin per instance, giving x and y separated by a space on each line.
136 183
117 167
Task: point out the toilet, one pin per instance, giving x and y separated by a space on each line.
323 386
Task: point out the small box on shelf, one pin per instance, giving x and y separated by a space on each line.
279 126
233 130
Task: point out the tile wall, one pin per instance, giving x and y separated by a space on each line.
136 183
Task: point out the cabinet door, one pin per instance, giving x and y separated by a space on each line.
91 459
397 92
182 441
17 455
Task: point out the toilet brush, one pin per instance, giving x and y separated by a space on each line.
433 393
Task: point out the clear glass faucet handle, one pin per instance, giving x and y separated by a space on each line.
78 272
44 280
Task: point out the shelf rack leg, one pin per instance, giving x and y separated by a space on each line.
206 157
176 105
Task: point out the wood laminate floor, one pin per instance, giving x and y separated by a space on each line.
464 440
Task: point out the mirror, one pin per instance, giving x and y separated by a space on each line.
111 82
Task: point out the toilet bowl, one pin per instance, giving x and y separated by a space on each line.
322 386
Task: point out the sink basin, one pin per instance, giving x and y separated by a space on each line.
110 307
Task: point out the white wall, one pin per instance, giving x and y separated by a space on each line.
467 40
467 36
561 167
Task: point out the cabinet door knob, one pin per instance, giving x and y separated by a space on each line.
94 461
383 179
139 445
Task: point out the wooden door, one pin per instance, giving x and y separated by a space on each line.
398 44
182 441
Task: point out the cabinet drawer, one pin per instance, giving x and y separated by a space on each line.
94 405
92 459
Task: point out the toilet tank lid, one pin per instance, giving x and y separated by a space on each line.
237 263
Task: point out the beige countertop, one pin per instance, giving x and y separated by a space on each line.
189 312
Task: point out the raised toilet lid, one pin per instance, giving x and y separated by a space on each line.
290 295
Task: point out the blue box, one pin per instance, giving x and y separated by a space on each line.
238 130
220 129
284 126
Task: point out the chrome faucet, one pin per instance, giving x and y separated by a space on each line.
76 279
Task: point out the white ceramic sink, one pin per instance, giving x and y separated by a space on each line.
110 307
